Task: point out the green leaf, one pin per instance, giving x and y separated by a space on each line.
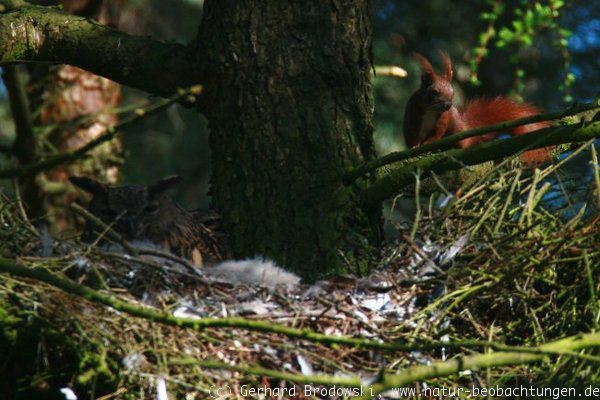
565 32
518 25
506 34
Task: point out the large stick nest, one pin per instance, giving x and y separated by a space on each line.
504 262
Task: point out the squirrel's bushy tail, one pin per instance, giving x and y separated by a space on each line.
482 112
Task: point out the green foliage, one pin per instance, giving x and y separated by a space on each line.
526 24
533 60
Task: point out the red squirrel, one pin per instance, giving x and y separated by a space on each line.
430 114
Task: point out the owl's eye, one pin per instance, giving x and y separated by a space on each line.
151 209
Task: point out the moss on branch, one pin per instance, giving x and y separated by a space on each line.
449 141
397 178
45 34
151 314
508 355
476 362
14 268
504 355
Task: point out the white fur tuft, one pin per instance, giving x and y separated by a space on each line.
256 271
252 271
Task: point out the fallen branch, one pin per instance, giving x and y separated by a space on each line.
448 141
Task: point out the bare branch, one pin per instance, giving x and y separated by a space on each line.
24 145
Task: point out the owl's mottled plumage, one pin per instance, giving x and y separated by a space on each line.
146 213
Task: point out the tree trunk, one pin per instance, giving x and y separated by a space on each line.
289 102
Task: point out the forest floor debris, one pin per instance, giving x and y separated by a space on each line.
509 262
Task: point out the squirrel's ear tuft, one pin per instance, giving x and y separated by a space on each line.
447 65
427 72
89 185
164 184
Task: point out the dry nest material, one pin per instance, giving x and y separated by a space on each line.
497 264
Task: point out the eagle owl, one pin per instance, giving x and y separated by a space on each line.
146 213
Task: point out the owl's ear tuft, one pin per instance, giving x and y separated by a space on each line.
89 185
164 184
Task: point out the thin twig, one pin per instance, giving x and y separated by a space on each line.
111 233
510 355
54 161
107 230
22 210
596 172
508 201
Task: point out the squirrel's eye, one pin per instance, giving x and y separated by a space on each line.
151 209
434 93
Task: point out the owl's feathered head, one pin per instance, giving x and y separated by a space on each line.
130 209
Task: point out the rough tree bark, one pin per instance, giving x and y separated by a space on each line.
288 98
290 109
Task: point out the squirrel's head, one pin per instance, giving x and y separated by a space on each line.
437 89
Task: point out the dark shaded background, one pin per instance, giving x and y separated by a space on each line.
176 141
